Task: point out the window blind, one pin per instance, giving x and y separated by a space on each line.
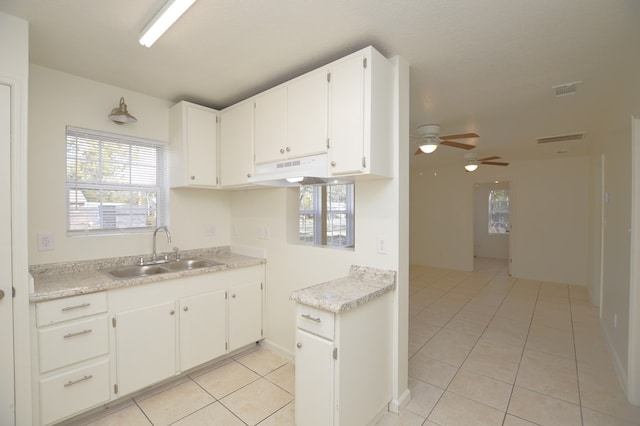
115 183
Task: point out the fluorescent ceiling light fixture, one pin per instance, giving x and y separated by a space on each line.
160 23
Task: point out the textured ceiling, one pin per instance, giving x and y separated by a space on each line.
485 66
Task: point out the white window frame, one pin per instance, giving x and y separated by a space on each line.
321 211
74 186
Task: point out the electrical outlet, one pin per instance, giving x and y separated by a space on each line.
210 231
615 320
45 241
381 245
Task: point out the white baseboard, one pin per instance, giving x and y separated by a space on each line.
618 366
267 344
397 405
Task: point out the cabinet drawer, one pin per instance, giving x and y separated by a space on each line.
72 342
69 308
68 393
315 321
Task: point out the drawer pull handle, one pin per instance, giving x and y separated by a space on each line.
71 308
309 317
78 333
73 382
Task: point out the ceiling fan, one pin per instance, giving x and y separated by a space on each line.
430 140
472 162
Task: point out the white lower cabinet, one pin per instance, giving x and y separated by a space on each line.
145 346
96 348
343 364
202 328
245 314
314 380
71 356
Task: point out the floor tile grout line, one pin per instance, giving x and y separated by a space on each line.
515 379
575 353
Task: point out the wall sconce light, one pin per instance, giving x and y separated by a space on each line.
120 115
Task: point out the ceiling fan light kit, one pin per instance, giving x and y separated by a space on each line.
431 140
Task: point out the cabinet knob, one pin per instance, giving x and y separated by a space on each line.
186 308
333 164
233 296
298 345
281 150
193 178
1 294
288 149
171 312
248 175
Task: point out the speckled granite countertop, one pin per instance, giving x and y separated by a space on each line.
361 286
52 281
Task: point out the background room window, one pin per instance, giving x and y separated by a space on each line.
499 211
115 183
327 215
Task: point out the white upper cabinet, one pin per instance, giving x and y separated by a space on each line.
307 101
193 146
360 114
236 145
290 121
270 126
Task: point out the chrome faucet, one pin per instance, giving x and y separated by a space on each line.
154 256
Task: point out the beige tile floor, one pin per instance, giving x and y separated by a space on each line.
488 349
484 349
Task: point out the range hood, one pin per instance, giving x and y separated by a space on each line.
312 170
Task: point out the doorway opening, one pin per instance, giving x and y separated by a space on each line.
492 220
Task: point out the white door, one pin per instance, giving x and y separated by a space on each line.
201 145
7 405
307 100
236 145
270 126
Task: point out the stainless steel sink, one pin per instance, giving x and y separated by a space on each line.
137 271
188 264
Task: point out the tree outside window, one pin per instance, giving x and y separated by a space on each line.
499 222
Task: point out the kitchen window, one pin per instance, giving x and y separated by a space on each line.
115 183
327 215
499 211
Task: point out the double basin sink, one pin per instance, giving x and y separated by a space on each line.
137 271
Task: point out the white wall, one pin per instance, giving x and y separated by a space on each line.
550 219
494 246
58 99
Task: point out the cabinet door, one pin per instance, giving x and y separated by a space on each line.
202 328
307 99
270 126
201 152
314 380
145 346
245 314
346 115
236 145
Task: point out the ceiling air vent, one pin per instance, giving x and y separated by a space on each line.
562 138
566 89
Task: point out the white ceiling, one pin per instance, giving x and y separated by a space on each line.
476 65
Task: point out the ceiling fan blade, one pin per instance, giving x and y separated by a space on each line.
494 163
495 157
418 152
457 144
460 136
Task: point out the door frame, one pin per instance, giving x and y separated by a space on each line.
633 367
19 247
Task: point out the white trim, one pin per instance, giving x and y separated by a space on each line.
19 250
633 369
397 405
